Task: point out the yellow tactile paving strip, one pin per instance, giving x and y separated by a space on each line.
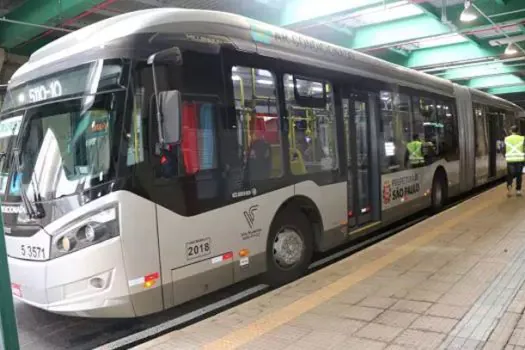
277 318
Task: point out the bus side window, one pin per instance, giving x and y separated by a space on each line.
449 122
398 130
312 128
482 146
258 123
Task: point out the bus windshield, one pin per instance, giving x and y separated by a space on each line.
63 144
65 148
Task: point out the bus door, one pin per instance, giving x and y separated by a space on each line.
493 128
356 109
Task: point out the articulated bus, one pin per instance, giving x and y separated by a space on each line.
160 155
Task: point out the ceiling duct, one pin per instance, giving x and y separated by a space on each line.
507 40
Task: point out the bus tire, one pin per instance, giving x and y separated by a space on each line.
439 192
289 248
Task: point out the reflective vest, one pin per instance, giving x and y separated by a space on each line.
415 152
514 148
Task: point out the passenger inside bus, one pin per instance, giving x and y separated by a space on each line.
259 157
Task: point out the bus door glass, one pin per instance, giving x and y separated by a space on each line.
356 115
495 129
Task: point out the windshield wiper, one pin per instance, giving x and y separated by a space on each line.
33 214
29 208
37 197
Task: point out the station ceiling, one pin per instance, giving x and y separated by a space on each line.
487 52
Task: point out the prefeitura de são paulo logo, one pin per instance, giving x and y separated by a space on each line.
387 192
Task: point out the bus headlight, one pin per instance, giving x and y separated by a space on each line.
86 231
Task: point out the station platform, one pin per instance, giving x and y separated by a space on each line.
454 281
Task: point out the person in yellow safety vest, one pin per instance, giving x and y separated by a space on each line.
515 157
415 152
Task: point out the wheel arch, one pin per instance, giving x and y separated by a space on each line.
441 172
307 206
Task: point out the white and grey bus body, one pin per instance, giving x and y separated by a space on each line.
164 255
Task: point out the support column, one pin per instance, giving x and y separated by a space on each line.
8 330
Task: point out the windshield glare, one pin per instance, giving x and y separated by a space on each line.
9 128
65 147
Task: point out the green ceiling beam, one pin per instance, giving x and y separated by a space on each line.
347 31
506 90
489 69
296 11
394 56
495 81
39 12
451 53
398 31
28 48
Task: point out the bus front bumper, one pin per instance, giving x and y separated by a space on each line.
89 283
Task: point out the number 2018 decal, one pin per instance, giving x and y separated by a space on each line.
198 248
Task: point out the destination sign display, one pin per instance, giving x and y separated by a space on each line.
70 82
43 92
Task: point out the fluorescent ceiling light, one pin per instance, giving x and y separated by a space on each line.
441 40
380 14
469 13
264 82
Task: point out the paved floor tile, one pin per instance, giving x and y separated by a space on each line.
521 322
351 296
418 307
444 310
449 277
518 304
318 340
423 295
379 332
294 332
353 343
434 324
313 321
419 339
514 347
399 347
465 299
463 344
264 342
361 313
504 329
396 318
518 337
436 286
378 302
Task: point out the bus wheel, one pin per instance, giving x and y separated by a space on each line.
439 192
290 247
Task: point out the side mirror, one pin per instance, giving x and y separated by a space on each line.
172 54
170 105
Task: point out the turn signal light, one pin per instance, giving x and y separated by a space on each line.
150 280
244 253
149 284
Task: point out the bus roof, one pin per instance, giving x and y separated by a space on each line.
245 33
